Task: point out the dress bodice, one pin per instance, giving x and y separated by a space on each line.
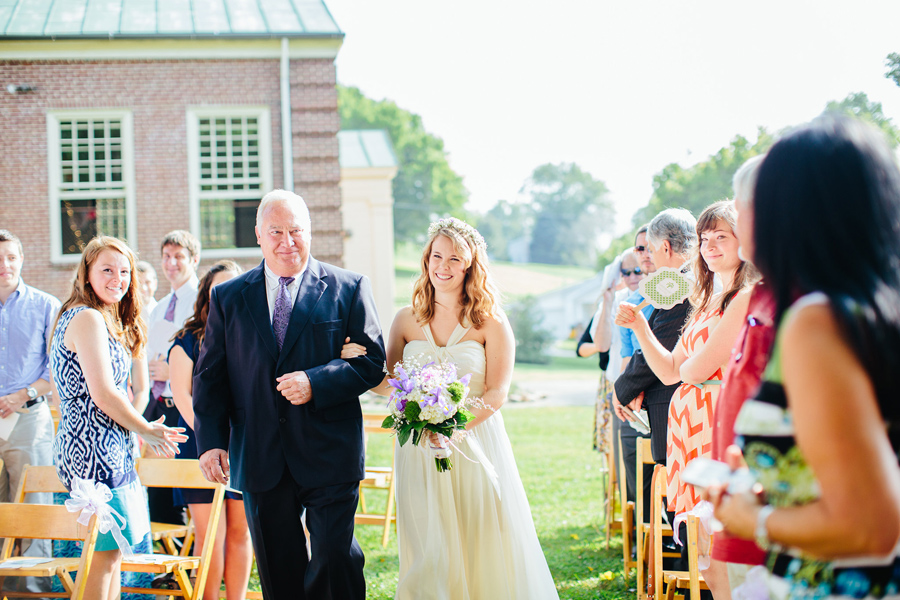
89 444
468 356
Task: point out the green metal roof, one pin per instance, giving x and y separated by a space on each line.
36 19
366 148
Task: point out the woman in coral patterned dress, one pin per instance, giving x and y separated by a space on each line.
699 357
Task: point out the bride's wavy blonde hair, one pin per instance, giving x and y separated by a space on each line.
479 300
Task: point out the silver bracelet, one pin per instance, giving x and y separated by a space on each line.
762 532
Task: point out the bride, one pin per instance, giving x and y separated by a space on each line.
462 534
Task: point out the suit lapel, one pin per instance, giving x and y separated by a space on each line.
254 293
312 286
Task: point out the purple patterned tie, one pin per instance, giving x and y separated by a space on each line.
282 314
159 387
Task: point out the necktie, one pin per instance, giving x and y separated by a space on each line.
160 386
282 313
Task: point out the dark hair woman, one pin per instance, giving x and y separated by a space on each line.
822 431
233 553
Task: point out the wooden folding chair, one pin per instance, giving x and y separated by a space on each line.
377 478
671 578
46 522
172 473
627 516
692 579
642 525
168 533
615 504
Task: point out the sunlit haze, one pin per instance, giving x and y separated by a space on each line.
620 88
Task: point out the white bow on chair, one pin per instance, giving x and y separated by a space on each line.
92 498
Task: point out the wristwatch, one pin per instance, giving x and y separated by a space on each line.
761 534
32 393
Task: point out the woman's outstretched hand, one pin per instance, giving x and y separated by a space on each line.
350 350
164 440
738 512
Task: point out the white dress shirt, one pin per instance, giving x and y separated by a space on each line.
160 332
272 285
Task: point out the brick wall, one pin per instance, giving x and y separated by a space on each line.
158 94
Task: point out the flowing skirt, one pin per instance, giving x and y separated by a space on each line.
459 539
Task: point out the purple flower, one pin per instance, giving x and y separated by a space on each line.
403 382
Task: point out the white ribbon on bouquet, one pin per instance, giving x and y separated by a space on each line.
444 451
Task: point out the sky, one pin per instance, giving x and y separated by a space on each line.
621 88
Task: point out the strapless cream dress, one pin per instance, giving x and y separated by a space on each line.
460 537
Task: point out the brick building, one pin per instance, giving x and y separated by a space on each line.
136 118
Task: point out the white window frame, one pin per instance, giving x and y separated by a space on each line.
264 122
54 168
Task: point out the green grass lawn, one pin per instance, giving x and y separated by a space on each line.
563 365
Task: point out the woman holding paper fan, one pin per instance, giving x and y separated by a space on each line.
464 534
699 356
97 335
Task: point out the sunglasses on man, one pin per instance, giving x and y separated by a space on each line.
628 272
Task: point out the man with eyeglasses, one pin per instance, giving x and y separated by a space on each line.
629 345
640 248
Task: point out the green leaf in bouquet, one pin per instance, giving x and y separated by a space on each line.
419 425
416 435
457 391
404 433
411 411
388 422
463 416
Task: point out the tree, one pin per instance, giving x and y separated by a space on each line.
532 341
505 222
696 187
425 187
693 188
893 64
858 105
571 210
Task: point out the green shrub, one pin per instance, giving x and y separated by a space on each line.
532 341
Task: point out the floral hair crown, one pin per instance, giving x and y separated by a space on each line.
460 227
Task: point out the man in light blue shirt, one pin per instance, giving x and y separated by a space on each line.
27 317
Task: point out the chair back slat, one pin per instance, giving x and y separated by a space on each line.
693 530
40 521
172 473
39 479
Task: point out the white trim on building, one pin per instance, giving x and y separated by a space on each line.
225 168
100 169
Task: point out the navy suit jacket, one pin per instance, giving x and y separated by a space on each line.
236 405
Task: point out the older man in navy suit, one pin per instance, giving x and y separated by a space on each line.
272 394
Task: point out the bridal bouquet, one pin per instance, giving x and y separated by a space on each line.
428 397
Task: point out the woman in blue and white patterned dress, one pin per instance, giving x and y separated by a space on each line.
98 333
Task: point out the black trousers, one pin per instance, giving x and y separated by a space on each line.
160 501
335 570
658 414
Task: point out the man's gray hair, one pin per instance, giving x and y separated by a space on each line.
744 181
296 202
675 225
